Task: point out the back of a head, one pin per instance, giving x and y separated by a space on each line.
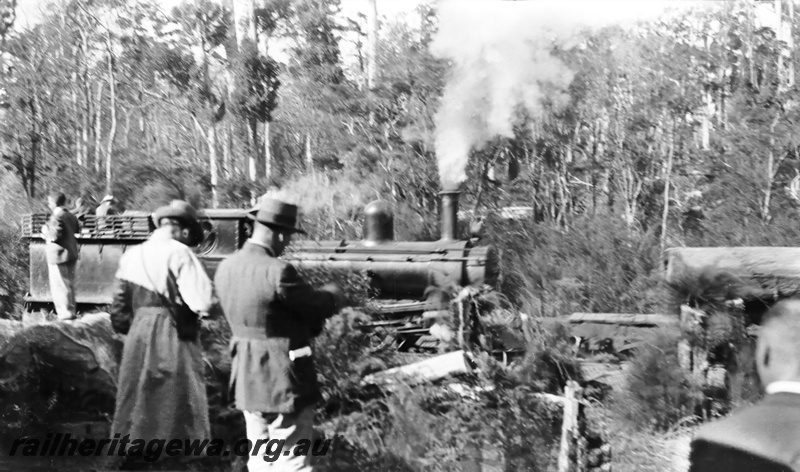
58 197
778 355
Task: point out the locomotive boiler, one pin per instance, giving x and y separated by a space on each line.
398 270
403 269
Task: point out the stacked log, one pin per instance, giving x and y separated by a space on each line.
736 281
750 272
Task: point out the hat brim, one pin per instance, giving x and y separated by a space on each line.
195 229
170 212
252 216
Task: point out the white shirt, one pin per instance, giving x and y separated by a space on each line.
783 386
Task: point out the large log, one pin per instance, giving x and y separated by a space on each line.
747 272
78 362
82 353
623 319
428 370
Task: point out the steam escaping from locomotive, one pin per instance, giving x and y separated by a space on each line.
501 64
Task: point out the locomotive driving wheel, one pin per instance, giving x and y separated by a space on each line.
381 334
380 339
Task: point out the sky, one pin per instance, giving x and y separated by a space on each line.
29 11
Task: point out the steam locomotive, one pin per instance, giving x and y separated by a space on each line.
400 273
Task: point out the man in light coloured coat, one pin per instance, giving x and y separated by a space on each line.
274 314
161 291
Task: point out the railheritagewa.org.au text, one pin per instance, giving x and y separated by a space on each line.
60 445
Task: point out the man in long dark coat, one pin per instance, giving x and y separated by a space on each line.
273 315
161 290
764 437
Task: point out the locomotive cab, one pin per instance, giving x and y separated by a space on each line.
103 240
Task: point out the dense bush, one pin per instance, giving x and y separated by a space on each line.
658 391
13 250
598 264
437 426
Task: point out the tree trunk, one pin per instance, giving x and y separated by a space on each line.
251 22
771 170
665 214
212 162
253 155
35 144
245 30
268 165
790 46
372 41
372 53
87 97
723 103
98 124
708 105
309 157
127 128
113 111
76 109
601 135
226 152
705 129
751 49
239 9
263 52
779 35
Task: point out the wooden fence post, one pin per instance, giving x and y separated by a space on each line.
569 425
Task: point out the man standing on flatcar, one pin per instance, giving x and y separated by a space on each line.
61 250
274 314
161 292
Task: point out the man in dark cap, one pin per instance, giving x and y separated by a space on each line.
61 249
764 437
274 314
161 291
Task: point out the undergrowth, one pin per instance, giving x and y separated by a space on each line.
658 393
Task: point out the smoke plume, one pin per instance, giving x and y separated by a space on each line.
500 60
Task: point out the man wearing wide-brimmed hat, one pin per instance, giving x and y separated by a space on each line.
107 206
274 314
161 291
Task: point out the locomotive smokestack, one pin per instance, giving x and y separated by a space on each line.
449 214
